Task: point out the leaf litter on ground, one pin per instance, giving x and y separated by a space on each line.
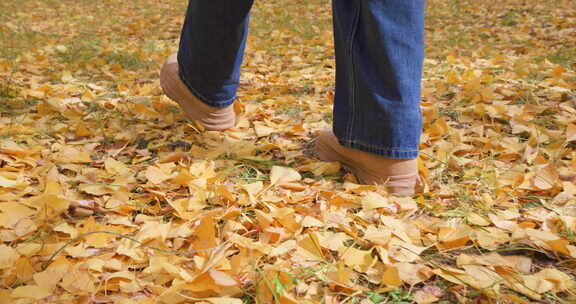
108 195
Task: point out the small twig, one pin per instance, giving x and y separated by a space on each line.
512 249
350 297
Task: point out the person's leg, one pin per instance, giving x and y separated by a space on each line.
379 56
212 48
204 77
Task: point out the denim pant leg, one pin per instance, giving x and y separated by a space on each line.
379 57
212 47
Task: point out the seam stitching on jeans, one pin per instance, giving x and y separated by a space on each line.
353 88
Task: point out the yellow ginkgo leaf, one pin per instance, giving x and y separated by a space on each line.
280 175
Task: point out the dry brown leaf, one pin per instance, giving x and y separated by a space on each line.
391 277
361 260
71 154
413 274
310 247
451 238
156 175
424 297
571 132
205 234
32 292
281 175
8 256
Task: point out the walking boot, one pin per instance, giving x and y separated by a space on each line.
400 176
212 118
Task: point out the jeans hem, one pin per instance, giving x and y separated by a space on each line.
204 99
394 153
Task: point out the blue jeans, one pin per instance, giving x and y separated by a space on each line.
379 56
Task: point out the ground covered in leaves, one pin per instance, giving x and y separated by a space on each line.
107 195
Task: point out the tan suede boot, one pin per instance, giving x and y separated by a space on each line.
212 118
400 176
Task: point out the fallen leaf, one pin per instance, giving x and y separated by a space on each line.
281 175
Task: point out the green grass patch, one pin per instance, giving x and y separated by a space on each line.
564 56
129 61
292 110
7 89
81 49
509 19
88 48
16 42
